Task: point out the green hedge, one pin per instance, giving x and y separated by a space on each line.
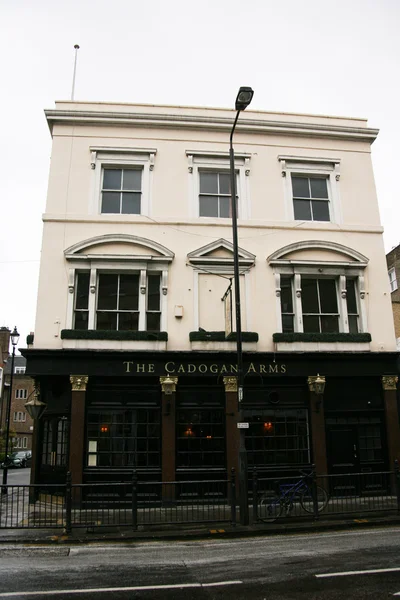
102 334
219 336
322 337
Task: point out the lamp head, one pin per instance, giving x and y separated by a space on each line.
244 97
14 337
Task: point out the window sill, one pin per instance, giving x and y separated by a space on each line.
114 340
322 342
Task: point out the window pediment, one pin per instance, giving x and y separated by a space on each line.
118 247
317 252
220 253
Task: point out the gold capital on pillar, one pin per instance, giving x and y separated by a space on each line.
230 384
389 382
168 384
79 382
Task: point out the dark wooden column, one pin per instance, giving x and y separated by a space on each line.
77 427
389 384
168 387
231 419
318 435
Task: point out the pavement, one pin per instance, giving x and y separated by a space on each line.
189 532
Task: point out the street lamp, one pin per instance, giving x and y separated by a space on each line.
243 99
14 341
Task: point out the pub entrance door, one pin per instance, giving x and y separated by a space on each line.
54 449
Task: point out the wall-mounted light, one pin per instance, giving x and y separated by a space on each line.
168 385
316 384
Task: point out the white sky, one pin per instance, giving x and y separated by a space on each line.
314 56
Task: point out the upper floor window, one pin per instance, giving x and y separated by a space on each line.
121 191
118 301
310 198
215 194
392 279
21 394
19 370
210 184
311 188
121 180
20 416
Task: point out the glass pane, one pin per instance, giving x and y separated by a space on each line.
128 292
309 296
353 324
320 210
225 206
302 210
112 179
311 324
110 202
351 296
153 292
319 188
327 295
153 321
208 183
132 180
131 203
208 206
300 187
81 319
106 320
329 324
107 294
287 324
286 295
128 321
82 290
224 183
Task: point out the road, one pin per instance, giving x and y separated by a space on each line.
260 568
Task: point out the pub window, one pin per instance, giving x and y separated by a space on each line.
200 438
127 438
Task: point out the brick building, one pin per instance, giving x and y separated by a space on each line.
393 265
21 424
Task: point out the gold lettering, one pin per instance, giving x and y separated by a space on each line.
191 368
128 364
140 368
168 368
251 368
151 368
233 368
273 368
214 368
283 368
263 369
181 369
203 368
224 369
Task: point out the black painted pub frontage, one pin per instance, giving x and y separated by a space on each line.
173 415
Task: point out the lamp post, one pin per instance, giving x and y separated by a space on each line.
243 100
14 340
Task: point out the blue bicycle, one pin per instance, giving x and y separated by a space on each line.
272 505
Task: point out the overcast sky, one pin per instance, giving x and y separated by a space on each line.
313 56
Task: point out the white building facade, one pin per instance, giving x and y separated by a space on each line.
133 347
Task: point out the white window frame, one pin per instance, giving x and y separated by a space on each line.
328 168
218 162
392 279
102 157
339 275
19 370
21 394
19 416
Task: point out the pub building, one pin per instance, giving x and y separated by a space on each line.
173 416
134 353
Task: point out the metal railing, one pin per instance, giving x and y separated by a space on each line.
140 504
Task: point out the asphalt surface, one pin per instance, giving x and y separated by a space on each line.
331 565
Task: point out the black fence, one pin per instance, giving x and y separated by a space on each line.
141 504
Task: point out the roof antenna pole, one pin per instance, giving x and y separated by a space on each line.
73 78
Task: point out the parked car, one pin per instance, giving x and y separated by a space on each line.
20 459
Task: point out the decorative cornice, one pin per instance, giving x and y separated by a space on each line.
79 382
210 123
230 384
389 382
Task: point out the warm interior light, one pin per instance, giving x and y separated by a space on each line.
209 437
189 432
104 429
268 426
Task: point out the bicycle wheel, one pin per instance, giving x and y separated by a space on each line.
307 502
269 508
